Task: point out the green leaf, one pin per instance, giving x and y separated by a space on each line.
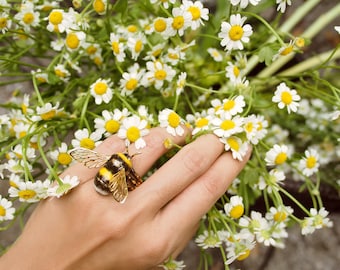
266 55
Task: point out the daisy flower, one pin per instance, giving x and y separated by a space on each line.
110 122
240 246
117 47
172 264
42 77
234 33
26 191
101 90
159 25
132 130
171 121
86 140
5 22
67 183
197 11
280 213
61 72
179 22
310 163
47 112
286 97
27 17
59 21
285 50
157 74
255 128
234 208
18 152
74 39
215 54
227 125
237 147
61 155
229 106
208 239
174 55
277 155
136 45
6 209
131 79
317 220
244 3
100 6
200 121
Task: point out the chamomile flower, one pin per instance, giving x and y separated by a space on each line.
100 6
101 90
208 239
179 22
197 11
59 21
5 22
46 112
6 209
74 39
215 54
286 97
279 214
281 5
67 183
131 80
237 147
26 191
227 125
285 50
18 152
240 246
277 155
244 3
318 219
62 73
117 47
159 25
180 83
27 17
61 155
133 129
174 55
255 128
157 73
110 122
165 3
233 73
310 163
84 139
136 45
41 76
234 33
234 208
170 120
271 181
201 121
230 106
172 264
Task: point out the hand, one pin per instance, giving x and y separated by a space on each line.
85 230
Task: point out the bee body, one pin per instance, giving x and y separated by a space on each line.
116 174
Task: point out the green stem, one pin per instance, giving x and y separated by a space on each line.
294 200
35 86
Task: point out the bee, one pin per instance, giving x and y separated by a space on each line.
116 174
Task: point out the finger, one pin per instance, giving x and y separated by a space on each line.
197 199
179 172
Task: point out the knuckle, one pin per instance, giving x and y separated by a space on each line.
156 250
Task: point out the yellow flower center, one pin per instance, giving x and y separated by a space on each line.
174 119
233 143
26 194
138 46
60 73
133 134
115 47
3 23
195 12
72 41
236 71
286 50
280 158
56 17
87 143
173 56
64 158
22 134
2 211
300 42
286 98
202 122
236 32
131 84
178 22
98 6
112 126
132 28
91 50
159 25
23 108
98 61
48 115
28 18
160 74
227 106
249 127
227 124
100 88
280 216
244 255
311 162
237 211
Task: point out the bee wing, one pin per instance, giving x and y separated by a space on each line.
118 186
89 158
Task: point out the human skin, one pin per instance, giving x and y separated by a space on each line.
85 230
